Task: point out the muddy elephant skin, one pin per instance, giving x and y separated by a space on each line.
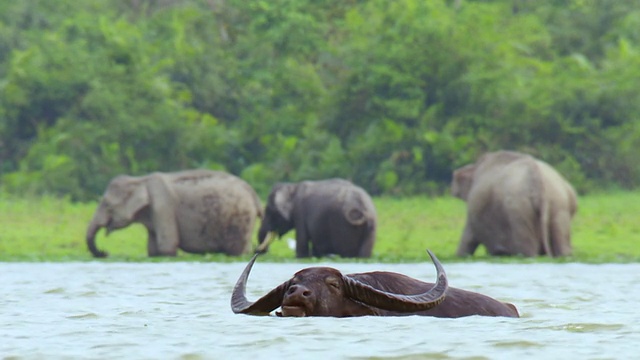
516 205
197 211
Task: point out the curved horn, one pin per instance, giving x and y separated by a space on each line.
264 305
369 295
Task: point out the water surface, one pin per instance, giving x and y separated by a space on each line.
179 310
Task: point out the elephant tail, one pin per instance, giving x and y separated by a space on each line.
544 212
544 228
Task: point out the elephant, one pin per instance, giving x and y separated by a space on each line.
197 211
325 291
516 205
334 215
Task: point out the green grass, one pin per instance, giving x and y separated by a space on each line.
606 229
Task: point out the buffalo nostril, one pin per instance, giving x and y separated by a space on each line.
299 291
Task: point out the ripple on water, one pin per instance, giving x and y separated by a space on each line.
261 343
583 298
90 293
57 290
588 327
107 310
192 356
517 344
84 316
418 356
135 313
205 316
117 345
580 327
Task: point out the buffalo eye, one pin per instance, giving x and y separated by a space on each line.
333 282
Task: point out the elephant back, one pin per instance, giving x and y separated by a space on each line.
220 208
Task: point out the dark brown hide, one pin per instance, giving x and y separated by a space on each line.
457 303
323 291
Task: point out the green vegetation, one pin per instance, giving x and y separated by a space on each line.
606 229
391 94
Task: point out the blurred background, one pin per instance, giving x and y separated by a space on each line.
393 95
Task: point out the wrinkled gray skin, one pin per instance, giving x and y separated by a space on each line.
516 205
197 211
334 216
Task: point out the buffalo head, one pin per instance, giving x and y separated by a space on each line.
323 291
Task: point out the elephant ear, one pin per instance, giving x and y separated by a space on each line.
283 199
137 198
353 208
462 181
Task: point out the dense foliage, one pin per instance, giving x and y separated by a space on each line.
391 94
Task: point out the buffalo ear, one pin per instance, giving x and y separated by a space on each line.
264 305
283 199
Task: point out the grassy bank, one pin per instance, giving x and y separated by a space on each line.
606 229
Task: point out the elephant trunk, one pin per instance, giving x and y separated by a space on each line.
262 235
92 230
91 242
265 241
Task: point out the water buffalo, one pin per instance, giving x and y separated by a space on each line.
324 291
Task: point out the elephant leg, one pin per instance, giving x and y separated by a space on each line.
152 244
315 252
468 243
302 242
168 249
155 248
520 237
560 233
164 219
367 245
367 238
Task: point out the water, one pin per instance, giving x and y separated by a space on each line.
181 311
